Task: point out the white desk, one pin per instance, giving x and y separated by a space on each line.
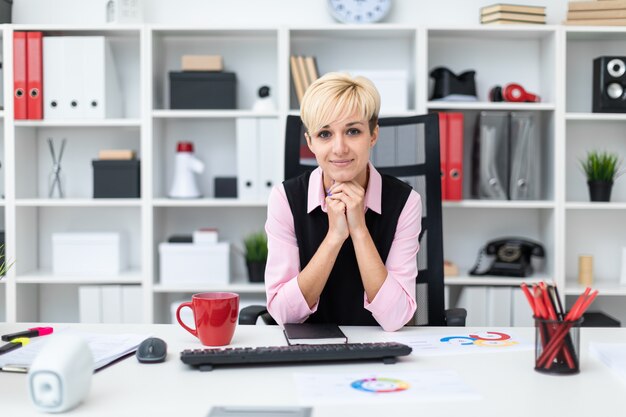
506 381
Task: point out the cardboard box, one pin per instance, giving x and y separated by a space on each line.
88 254
187 263
202 63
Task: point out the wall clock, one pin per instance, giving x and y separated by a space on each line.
359 11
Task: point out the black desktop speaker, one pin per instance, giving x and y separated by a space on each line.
609 84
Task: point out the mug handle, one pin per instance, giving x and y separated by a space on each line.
189 329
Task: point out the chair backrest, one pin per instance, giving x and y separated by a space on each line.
407 148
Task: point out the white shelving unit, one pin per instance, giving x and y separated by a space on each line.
552 61
595 229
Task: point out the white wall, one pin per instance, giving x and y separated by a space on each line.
263 12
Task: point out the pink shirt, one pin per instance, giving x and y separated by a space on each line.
393 306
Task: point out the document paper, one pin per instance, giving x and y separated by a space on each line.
105 348
464 342
612 355
381 388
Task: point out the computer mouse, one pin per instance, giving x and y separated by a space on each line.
152 350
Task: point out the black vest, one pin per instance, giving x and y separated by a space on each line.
341 301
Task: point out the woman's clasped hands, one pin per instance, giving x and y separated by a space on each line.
345 202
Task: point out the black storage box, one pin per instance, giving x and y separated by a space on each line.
225 187
599 319
203 90
116 179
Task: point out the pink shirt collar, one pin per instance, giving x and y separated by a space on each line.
317 194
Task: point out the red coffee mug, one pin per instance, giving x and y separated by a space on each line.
215 315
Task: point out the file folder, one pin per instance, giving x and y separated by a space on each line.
269 145
111 303
247 159
491 157
525 174
53 78
19 76
132 304
259 146
100 91
454 176
72 103
89 304
80 78
443 153
34 77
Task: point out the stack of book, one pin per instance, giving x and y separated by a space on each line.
503 14
597 13
116 154
303 73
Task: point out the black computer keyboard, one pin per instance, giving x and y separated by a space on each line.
206 359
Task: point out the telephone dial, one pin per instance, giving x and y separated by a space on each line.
509 257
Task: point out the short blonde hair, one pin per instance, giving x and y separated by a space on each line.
337 94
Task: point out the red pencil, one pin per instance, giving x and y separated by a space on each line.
575 314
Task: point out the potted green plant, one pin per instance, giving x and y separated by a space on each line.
256 256
4 266
601 169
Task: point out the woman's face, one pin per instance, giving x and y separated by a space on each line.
342 149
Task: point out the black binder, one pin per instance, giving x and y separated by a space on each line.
491 157
525 159
507 157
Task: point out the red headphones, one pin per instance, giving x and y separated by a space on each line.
513 93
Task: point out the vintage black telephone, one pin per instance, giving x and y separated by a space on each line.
511 257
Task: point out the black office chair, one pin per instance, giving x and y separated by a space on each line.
407 148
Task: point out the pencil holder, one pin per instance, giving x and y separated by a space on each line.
557 346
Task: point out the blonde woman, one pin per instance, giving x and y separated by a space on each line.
342 239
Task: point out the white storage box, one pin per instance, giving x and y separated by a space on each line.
188 263
392 85
205 236
88 254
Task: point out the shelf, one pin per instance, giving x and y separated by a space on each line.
596 117
79 123
207 202
499 204
117 29
78 202
354 31
213 31
508 32
604 288
240 288
209 114
478 281
132 276
595 206
595 33
536 56
484 105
